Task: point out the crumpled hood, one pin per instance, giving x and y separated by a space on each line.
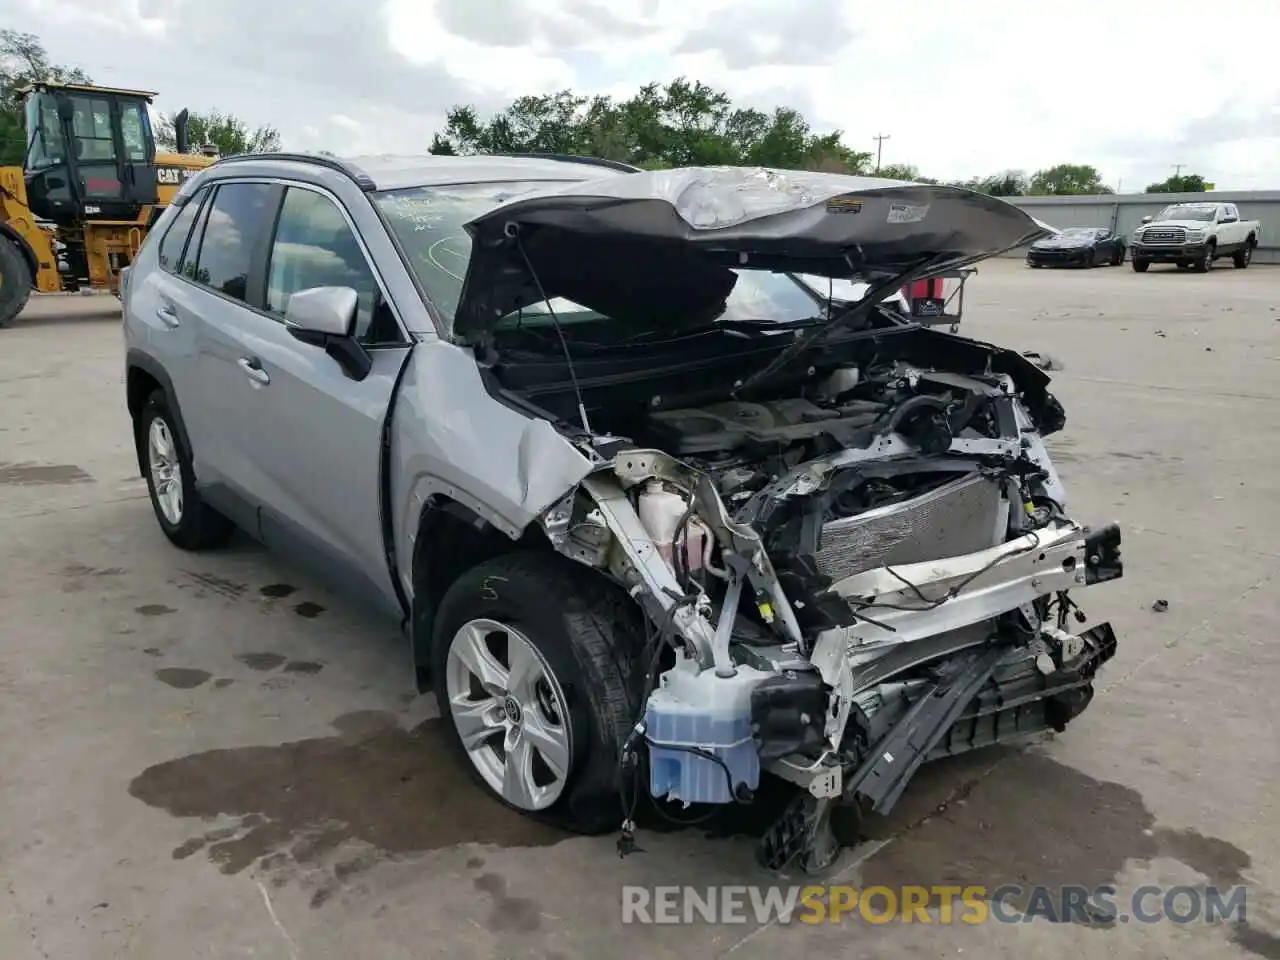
657 245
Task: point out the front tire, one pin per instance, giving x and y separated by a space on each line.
15 281
536 666
184 517
1205 263
1117 258
1140 266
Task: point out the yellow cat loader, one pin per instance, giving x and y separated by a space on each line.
90 186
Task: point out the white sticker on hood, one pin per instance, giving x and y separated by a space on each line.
907 212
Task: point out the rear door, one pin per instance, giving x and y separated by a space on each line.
316 441
163 318
223 269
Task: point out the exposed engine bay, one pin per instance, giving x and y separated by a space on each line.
851 547
844 585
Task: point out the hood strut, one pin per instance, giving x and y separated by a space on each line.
513 230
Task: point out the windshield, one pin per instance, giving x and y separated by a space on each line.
1080 232
1187 211
428 223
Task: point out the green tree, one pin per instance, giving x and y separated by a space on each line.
23 60
902 171
227 132
681 124
1190 183
1010 183
1068 178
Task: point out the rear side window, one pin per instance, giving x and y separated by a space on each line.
236 218
175 238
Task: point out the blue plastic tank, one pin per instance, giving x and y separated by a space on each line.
710 713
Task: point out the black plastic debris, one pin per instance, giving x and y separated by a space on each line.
1160 606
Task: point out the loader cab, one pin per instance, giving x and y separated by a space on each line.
91 153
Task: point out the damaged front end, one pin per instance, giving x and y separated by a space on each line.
855 553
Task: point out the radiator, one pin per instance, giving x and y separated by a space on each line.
960 517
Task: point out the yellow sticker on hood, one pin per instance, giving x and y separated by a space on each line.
844 205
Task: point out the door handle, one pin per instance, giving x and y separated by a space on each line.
252 368
168 316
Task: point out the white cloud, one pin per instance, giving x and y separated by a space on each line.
1133 88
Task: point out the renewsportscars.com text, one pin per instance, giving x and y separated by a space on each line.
938 904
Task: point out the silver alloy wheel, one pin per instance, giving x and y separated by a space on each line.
166 470
510 713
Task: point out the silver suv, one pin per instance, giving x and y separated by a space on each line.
660 513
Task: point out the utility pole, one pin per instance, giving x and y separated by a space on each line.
879 138
1177 169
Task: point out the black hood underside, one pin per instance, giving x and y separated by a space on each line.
662 246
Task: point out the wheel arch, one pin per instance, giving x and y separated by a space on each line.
143 376
451 539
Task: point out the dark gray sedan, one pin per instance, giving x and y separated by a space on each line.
1078 247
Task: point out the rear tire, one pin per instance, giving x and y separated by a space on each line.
185 518
1241 259
1117 258
1140 266
588 638
15 281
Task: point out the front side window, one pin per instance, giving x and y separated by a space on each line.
175 238
235 220
314 246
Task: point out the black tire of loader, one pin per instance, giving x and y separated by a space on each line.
15 281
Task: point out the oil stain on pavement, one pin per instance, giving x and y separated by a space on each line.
1025 821
398 791
1035 822
183 678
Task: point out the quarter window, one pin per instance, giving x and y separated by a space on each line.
237 215
314 246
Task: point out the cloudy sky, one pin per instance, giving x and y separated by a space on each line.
1134 87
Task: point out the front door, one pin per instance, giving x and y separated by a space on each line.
317 435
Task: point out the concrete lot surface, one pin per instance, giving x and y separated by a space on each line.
208 756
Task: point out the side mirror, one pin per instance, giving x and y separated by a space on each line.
326 317
330 311
1148 218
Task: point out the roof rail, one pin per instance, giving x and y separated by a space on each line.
576 158
361 179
